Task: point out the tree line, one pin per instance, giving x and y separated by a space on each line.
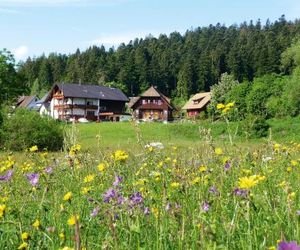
179 65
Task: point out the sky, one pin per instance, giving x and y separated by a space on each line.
34 27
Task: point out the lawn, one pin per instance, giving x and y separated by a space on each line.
124 135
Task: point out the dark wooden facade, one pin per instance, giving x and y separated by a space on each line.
152 106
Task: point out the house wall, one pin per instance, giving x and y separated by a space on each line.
152 108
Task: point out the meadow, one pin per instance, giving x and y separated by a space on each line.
116 189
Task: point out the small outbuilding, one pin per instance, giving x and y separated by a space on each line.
197 104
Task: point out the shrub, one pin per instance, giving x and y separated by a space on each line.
255 126
25 128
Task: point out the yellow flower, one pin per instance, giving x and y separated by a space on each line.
175 185
220 106
23 245
2 210
101 167
24 236
276 147
155 211
85 190
272 248
33 149
120 155
289 169
202 168
282 184
36 224
248 182
68 196
62 236
89 178
294 163
218 151
74 149
230 105
73 219
291 196
196 180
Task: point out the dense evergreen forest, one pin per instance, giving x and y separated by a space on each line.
179 65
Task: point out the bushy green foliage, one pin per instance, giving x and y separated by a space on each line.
25 128
219 91
255 126
238 96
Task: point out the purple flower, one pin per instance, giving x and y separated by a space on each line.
283 245
136 198
7 176
146 210
120 200
48 170
205 206
33 178
213 190
95 212
110 193
117 181
241 192
227 165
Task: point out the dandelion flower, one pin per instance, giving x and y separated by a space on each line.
36 224
25 236
220 106
248 182
33 149
72 220
218 151
2 210
101 167
120 156
23 245
175 185
68 196
89 178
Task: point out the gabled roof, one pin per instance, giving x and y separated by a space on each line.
91 92
24 101
198 101
151 92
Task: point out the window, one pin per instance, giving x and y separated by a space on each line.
102 108
90 112
144 101
149 101
89 103
159 102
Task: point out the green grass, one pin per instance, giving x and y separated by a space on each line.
170 214
124 134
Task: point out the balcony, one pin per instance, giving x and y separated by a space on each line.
75 106
152 106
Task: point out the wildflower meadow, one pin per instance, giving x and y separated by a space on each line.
163 197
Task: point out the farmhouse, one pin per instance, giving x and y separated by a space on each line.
197 104
93 102
152 105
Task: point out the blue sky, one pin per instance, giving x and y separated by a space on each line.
33 27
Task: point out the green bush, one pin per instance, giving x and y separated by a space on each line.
255 126
25 128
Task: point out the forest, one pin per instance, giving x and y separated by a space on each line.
253 64
178 64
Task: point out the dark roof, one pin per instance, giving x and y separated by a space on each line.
92 92
151 92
